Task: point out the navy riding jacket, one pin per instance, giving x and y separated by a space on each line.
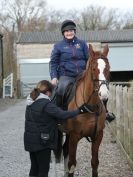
42 117
68 58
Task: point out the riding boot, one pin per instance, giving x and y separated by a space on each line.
59 100
110 116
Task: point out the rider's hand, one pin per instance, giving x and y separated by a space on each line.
84 108
54 81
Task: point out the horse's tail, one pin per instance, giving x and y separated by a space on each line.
58 151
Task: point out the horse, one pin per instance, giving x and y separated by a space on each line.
92 88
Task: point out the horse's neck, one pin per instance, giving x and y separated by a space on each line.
89 94
88 83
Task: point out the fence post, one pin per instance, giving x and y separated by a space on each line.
112 105
130 115
126 119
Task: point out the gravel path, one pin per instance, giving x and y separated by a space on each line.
7 102
112 163
14 161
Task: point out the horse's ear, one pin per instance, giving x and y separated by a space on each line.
91 51
105 50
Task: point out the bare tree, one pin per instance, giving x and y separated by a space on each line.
55 18
19 15
90 18
127 22
97 18
19 12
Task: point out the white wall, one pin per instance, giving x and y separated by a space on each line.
121 56
31 72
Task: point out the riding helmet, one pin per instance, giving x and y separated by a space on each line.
68 25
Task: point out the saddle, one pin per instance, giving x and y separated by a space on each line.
65 97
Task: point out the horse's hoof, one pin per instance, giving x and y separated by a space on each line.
66 175
94 174
70 175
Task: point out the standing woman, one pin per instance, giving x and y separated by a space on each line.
41 130
68 59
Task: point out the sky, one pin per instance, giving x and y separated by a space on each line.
126 5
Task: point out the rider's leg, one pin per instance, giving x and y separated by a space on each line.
64 81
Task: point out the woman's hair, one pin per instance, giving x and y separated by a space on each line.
42 87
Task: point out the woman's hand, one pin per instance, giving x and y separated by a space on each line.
85 108
54 81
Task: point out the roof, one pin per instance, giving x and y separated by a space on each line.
90 36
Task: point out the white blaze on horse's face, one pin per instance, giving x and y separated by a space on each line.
103 90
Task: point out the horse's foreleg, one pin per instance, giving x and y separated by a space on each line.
95 149
65 154
73 140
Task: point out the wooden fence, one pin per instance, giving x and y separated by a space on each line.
121 104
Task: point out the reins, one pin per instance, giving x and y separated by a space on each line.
97 113
93 109
97 107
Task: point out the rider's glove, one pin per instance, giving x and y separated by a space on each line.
84 108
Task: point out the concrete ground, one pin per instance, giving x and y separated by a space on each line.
14 161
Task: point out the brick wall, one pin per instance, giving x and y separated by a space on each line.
34 51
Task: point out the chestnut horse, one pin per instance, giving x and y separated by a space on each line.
92 88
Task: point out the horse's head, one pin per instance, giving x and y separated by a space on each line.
100 70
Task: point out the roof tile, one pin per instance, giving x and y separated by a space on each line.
89 36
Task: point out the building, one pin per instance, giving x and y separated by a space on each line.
34 49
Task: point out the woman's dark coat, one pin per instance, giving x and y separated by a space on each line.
42 117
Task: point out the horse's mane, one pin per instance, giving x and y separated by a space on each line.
80 77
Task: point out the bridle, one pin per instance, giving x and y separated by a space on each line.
97 108
103 82
96 86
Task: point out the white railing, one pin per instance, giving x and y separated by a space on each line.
8 86
26 88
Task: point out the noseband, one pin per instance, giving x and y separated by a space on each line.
103 82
